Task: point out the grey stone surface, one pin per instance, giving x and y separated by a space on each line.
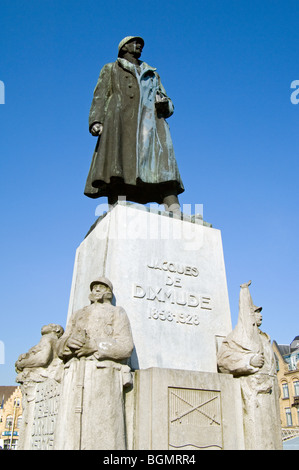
169 275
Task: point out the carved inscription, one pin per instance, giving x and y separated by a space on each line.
46 409
174 268
184 318
175 303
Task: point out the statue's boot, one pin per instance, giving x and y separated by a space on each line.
171 204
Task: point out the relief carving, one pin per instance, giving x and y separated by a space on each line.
40 365
194 419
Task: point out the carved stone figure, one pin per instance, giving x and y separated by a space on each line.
41 361
95 347
248 355
134 155
38 365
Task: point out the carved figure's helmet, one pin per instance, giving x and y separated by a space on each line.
128 39
102 280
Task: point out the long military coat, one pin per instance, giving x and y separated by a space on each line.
134 155
91 408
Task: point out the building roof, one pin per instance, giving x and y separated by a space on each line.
294 344
283 348
286 349
5 392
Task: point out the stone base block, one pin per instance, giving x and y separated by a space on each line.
170 409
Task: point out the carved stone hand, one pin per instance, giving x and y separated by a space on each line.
86 350
74 343
257 360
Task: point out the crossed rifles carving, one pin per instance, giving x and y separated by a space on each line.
195 408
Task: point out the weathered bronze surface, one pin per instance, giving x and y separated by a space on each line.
134 155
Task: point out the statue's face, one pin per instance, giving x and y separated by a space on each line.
98 291
258 318
134 47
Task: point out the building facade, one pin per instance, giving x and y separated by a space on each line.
287 360
10 416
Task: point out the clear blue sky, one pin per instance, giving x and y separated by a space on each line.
227 65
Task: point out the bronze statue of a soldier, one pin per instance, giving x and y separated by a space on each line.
134 155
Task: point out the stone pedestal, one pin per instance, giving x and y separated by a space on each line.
170 409
169 276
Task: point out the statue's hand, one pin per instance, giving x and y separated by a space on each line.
85 350
257 360
21 362
96 129
74 343
19 366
